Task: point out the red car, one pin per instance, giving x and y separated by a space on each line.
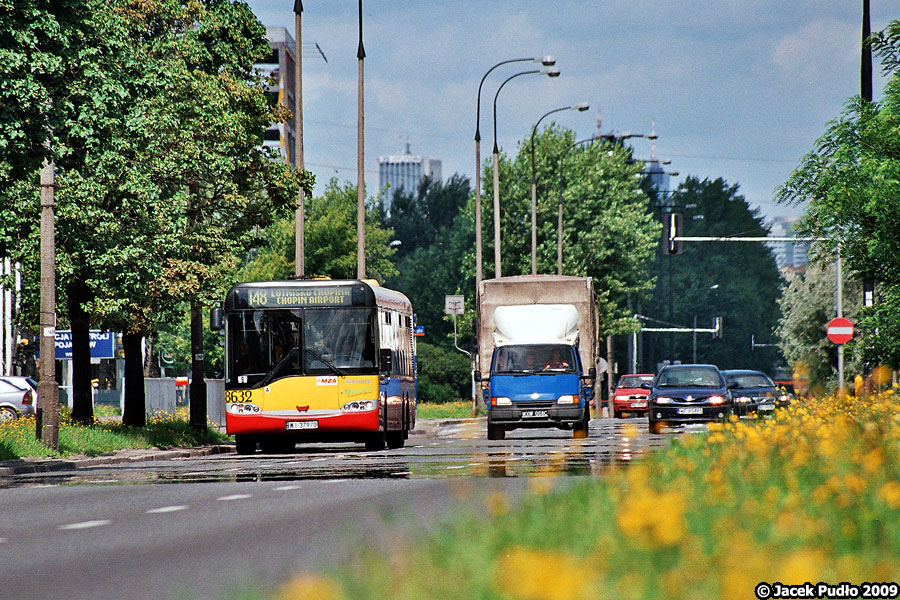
629 396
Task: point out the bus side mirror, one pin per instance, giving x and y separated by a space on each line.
384 359
216 318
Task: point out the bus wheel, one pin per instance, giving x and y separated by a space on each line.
244 444
395 439
376 441
496 432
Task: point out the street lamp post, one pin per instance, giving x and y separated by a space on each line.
550 72
360 171
299 254
547 61
579 107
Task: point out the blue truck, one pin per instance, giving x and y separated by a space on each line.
537 344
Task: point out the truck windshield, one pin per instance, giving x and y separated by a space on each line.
544 358
267 344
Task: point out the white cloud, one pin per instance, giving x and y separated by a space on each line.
817 48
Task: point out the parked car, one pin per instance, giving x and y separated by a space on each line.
754 392
687 394
629 396
17 398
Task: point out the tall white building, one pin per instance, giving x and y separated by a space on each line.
405 171
280 65
788 254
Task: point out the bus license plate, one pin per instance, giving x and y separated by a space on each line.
535 414
302 424
690 411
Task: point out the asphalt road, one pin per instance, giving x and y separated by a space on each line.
201 527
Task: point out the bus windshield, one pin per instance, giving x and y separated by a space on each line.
268 344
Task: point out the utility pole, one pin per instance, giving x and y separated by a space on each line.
299 217
360 155
197 388
48 389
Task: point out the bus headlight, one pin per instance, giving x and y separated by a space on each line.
359 405
567 399
500 401
242 408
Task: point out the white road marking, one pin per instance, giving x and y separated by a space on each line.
284 488
236 497
86 524
166 509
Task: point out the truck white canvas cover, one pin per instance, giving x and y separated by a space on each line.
535 324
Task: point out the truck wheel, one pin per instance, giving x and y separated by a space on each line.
244 444
580 431
496 432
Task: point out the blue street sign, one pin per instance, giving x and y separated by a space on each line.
419 330
103 344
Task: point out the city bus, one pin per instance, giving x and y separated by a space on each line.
317 361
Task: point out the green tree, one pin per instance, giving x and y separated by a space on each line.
737 281
608 232
444 374
807 305
850 184
330 241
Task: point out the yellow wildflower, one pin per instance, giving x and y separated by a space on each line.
310 587
529 574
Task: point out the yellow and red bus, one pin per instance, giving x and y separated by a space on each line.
317 361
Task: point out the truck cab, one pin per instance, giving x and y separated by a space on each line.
537 385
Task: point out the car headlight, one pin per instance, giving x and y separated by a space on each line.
743 399
717 399
359 405
500 401
662 400
784 398
567 399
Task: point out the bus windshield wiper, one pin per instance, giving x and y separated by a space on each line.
322 360
277 368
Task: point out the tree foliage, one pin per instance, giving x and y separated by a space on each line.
850 184
737 281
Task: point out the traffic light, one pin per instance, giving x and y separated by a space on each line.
673 227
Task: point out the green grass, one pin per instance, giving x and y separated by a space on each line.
461 409
18 439
812 494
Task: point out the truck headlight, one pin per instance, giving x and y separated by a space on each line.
567 399
500 401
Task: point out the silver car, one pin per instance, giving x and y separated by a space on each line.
18 398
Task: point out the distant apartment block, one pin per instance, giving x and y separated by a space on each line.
405 171
793 255
279 64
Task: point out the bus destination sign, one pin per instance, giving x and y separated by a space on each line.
280 297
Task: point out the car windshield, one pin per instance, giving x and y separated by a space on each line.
634 381
750 380
689 377
543 358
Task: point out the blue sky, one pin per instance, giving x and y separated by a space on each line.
739 89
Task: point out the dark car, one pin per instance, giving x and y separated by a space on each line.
688 394
754 392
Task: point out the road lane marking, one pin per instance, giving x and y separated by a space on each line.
284 488
236 497
166 509
86 524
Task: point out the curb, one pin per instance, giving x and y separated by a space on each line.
42 465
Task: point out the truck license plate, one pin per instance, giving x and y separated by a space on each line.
535 414
690 411
302 424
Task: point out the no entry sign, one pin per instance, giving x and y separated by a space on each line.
839 330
